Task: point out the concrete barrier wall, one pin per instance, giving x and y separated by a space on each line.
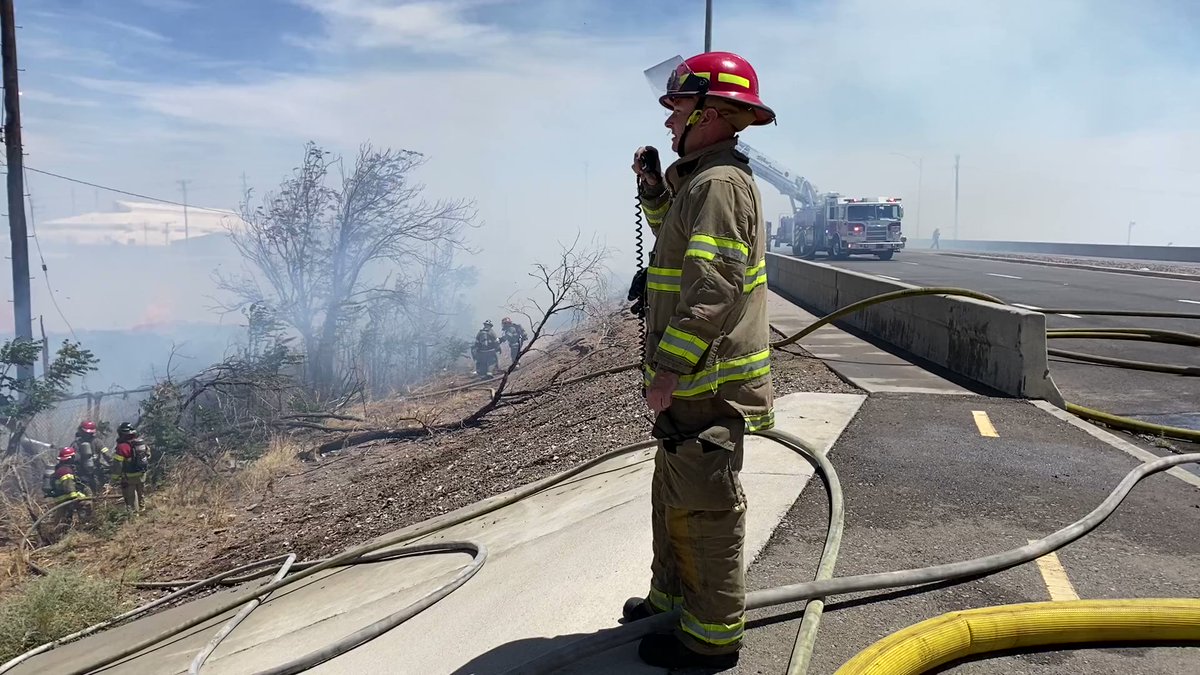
1000 347
1164 253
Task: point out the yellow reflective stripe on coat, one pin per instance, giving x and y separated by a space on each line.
662 601
755 276
655 216
706 248
709 379
712 633
66 476
760 422
684 345
665 279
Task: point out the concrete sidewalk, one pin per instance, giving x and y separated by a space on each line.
560 566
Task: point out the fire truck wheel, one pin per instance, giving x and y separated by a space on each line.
885 255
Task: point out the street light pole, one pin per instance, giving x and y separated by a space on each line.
1129 233
920 164
707 26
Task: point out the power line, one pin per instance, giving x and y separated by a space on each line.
45 269
126 192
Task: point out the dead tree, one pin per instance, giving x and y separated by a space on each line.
315 252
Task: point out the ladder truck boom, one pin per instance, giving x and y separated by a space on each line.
795 188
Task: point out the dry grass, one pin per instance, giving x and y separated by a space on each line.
195 501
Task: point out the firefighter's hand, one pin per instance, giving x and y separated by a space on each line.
651 175
658 397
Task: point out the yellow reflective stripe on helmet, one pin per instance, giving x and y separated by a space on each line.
755 276
709 379
733 79
760 422
664 279
684 345
663 602
706 247
712 633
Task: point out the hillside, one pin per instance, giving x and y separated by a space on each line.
319 507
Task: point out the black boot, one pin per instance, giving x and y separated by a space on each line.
636 609
667 651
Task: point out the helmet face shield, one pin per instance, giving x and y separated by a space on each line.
674 77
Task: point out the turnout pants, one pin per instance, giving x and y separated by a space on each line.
699 517
133 487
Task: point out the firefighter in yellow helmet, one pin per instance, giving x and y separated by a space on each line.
707 363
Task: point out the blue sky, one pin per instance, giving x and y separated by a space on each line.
1072 117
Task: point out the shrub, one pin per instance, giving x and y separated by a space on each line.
47 608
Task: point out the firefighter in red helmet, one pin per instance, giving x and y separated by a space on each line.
60 485
706 368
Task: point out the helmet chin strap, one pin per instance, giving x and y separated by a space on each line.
693 118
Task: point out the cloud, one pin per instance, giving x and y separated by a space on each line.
429 25
1071 118
39 96
169 5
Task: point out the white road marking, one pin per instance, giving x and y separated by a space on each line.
909 263
1057 582
1005 276
1038 309
887 277
1191 302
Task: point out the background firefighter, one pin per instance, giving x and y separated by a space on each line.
130 462
486 350
707 365
59 484
94 464
514 335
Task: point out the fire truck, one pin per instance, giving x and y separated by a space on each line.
827 222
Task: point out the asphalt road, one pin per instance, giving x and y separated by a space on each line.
936 490
1154 397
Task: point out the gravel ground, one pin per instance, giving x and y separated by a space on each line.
1141 265
319 509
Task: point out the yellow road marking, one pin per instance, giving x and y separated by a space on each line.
985 424
1055 576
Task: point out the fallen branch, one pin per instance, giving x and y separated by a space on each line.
323 415
575 380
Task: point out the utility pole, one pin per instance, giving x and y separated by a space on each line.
1129 233
707 26
956 197
183 187
22 306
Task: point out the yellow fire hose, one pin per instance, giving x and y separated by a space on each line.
973 632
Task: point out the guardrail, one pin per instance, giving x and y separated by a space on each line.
998 346
1188 254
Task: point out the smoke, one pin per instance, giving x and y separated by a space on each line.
1072 118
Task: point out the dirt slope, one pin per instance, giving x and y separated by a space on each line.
345 498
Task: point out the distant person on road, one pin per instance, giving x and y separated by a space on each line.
937 235
707 374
